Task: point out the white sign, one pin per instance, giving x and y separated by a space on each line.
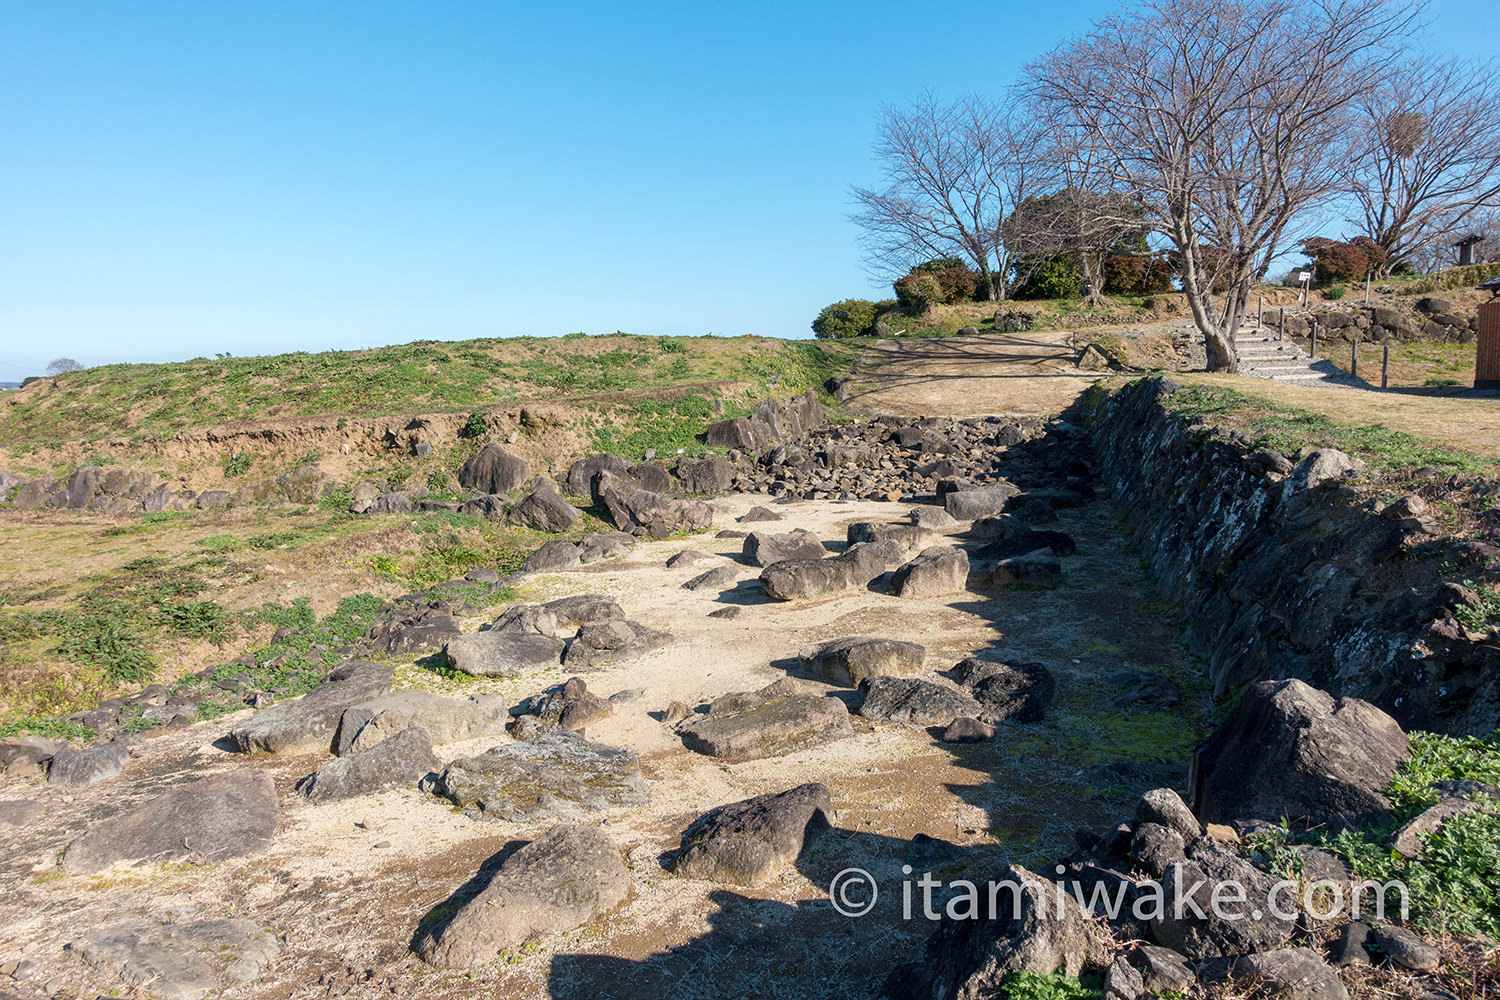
1305 276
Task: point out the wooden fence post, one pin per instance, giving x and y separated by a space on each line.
1314 351
1354 358
1385 366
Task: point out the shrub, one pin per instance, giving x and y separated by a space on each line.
1133 274
1055 279
1335 292
848 318
958 283
1335 260
918 291
236 464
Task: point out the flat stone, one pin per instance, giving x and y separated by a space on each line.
184 961
932 518
557 775
1292 973
445 720
554 555
1407 841
748 843
81 768
688 557
1405 948
935 572
966 729
19 812
850 660
503 654
604 545
229 815
968 505
1034 569
308 723
905 534
728 611
911 699
758 513
584 609
544 510
562 880
777 720
404 759
717 579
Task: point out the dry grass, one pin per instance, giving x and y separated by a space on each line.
1464 424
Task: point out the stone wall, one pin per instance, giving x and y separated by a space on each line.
1301 567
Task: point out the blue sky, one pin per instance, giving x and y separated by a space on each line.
181 179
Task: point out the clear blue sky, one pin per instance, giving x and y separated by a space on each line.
180 179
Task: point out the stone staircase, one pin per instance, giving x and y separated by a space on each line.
1263 356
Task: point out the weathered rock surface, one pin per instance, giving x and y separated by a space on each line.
544 510
445 720
581 474
608 642
492 469
748 843
911 699
1290 750
1033 569
1041 933
569 706
531 618
404 759
503 654
229 815
794 579
967 505
1292 973
557 775
19 812
1405 948
584 609
1191 924
553 555
967 729
763 548
640 511
27 756
1016 692
851 660
935 572
421 630
183 961
709 476
88 767
932 518
604 545
1408 838
562 880
778 719
309 723
716 579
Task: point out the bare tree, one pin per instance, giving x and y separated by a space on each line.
1428 156
1225 117
59 365
953 173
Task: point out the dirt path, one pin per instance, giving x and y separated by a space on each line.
1010 373
346 885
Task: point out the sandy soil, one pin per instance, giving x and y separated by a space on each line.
1009 373
346 885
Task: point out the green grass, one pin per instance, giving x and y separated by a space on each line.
1455 883
461 377
1018 985
1484 615
1287 429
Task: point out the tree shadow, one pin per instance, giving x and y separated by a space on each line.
437 919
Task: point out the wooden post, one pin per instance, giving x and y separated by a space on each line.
1314 351
1385 366
1260 311
1487 363
1354 358
1367 289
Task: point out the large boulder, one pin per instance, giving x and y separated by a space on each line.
1291 974
794 579
556 554
229 815
968 505
641 511
544 510
911 699
935 572
1290 750
445 720
1192 922
404 759
850 660
748 843
558 775
1014 692
569 706
763 548
304 484
1021 924
503 654
562 880
308 724
709 476
608 642
414 633
88 767
584 609
778 719
492 470
178 961
580 480
908 535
